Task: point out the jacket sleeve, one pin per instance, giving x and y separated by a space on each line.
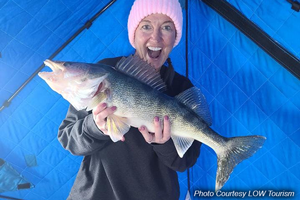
169 156
79 134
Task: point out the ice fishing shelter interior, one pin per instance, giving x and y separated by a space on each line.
243 55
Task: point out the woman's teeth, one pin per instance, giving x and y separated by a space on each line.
154 48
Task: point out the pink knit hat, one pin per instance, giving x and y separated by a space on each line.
143 8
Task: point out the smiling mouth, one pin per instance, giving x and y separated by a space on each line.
154 52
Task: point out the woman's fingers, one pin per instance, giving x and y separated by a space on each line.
100 114
167 129
160 135
100 107
147 136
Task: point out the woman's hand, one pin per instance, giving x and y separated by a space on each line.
100 114
160 136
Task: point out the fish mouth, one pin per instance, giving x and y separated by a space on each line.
55 66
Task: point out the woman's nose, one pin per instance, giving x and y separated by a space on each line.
156 35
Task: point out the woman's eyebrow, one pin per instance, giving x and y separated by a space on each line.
148 21
144 20
168 22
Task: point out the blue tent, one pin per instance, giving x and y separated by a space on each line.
248 91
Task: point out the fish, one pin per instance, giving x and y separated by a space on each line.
137 90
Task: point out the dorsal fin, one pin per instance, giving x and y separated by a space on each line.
137 68
195 100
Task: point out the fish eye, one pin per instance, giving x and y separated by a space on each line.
66 64
83 79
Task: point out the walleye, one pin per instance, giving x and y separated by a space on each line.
135 88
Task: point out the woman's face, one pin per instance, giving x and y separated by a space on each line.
154 39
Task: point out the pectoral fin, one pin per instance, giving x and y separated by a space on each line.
117 127
182 144
96 100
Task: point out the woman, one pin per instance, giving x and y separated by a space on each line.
144 165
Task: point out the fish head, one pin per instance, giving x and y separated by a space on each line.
77 82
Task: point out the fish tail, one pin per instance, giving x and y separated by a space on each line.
237 149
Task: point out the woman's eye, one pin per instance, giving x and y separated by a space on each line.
146 27
167 28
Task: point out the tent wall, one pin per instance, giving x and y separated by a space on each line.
249 93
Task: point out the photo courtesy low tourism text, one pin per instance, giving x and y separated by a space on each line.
243 194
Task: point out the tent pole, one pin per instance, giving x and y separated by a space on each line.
87 25
6 197
186 39
187 68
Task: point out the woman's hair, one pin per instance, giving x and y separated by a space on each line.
168 78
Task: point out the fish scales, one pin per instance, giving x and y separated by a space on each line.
144 103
